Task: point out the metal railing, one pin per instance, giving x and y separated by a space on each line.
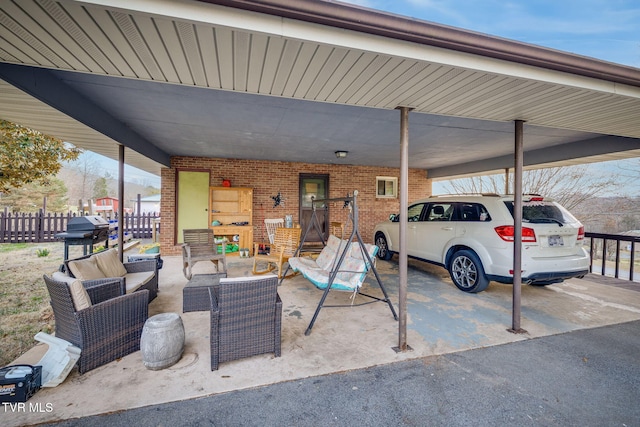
607 248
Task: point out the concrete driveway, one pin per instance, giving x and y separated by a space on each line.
585 378
441 320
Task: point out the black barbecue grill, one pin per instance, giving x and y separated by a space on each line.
86 231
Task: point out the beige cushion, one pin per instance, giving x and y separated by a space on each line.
79 295
86 269
109 263
135 280
59 276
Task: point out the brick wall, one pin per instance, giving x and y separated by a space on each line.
269 178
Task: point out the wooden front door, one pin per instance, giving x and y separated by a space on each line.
316 186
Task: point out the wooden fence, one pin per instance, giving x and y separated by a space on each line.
42 227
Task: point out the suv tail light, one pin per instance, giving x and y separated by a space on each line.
506 233
581 233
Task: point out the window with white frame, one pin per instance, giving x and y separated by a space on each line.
386 187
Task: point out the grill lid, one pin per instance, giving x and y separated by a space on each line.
75 235
87 223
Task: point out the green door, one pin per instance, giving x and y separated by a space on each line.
193 201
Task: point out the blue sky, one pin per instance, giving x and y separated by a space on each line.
604 29
608 30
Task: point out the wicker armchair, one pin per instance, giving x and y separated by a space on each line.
199 245
285 243
246 318
107 330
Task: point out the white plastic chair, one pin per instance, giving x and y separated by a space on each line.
271 224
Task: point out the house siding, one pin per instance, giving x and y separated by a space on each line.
268 178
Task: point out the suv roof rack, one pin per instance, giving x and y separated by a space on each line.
468 194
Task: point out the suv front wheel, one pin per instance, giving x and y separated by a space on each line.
467 273
383 247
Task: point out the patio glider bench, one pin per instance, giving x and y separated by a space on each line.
342 266
350 273
133 276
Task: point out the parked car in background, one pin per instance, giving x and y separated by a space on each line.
472 237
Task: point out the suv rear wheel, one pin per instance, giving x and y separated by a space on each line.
467 273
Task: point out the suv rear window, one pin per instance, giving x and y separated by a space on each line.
541 212
473 212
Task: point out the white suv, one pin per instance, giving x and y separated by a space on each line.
472 237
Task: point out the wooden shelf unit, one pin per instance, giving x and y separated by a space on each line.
232 205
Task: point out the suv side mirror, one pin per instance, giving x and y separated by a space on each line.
394 218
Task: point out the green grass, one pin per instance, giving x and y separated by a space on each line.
14 247
24 300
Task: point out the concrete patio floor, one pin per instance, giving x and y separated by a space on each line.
441 319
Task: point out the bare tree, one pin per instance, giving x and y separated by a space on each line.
570 186
80 177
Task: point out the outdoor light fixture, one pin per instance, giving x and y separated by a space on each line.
341 154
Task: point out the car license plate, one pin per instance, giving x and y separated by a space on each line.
556 241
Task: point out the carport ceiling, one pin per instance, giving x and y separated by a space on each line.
192 78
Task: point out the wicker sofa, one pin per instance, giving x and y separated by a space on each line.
134 276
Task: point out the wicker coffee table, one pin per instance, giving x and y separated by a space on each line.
195 295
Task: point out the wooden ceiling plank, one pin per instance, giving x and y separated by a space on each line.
446 89
224 47
258 47
120 44
385 76
289 55
301 66
127 26
209 54
192 51
150 33
435 79
316 65
408 71
325 73
171 42
275 48
42 33
352 77
345 63
97 44
240 60
65 36
24 46
367 77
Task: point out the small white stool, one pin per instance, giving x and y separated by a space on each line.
162 341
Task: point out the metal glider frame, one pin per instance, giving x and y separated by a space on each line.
350 201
